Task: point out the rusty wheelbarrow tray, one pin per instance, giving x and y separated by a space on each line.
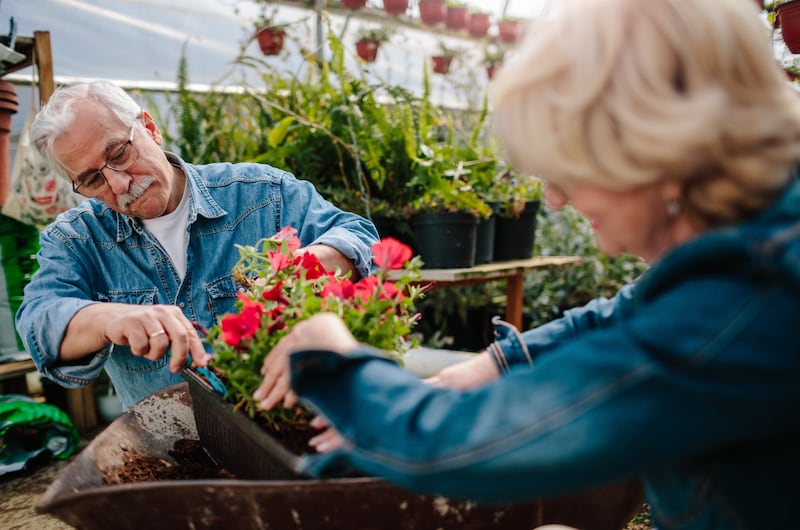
80 497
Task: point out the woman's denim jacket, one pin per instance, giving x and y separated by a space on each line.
689 379
93 254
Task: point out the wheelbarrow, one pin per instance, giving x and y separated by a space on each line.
82 497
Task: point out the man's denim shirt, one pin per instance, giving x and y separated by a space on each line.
93 254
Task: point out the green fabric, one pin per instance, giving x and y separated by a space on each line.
18 246
31 431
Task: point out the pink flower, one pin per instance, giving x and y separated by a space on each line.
288 234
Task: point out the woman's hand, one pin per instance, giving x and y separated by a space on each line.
324 331
468 374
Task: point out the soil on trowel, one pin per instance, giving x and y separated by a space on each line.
190 463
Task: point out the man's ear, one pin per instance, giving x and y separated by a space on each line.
151 126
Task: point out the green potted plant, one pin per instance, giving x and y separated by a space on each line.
368 41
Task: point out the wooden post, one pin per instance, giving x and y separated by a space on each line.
44 64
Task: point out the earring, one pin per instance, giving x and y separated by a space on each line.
673 208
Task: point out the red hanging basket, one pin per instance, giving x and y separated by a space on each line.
353 4
395 7
270 40
478 25
457 17
367 49
441 63
508 31
432 12
789 21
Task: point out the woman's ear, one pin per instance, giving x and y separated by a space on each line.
151 126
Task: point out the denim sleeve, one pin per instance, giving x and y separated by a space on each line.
512 347
600 407
320 222
56 292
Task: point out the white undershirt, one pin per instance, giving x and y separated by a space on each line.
170 230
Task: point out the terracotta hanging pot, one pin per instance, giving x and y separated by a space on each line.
395 7
789 22
432 12
367 49
478 25
270 40
457 17
491 69
441 63
508 31
353 4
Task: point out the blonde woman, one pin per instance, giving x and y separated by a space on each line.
669 125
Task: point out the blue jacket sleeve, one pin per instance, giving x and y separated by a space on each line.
323 223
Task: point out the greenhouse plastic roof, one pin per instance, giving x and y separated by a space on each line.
139 43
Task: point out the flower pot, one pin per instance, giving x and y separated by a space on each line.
367 49
395 7
457 18
446 240
484 237
432 12
478 25
491 69
508 31
789 21
514 236
441 63
353 4
270 40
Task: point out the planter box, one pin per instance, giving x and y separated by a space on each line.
80 497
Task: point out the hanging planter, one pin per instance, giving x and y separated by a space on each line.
491 69
508 30
457 17
270 40
395 7
432 12
353 4
478 24
367 49
789 21
441 63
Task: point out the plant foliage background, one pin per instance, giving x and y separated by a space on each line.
380 151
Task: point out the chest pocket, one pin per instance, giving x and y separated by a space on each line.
222 296
133 296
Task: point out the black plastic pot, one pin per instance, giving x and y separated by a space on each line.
446 240
514 237
484 238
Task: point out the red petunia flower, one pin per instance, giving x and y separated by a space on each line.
243 325
288 234
390 253
313 267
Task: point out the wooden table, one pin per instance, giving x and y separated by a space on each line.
512 272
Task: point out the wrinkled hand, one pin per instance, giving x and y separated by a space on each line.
468 374
324 331
149 331
153 330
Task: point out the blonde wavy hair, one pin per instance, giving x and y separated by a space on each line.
623 93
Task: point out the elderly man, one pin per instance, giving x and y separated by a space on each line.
123 276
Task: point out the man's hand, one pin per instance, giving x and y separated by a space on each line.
150 331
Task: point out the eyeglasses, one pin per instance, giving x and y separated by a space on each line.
94 181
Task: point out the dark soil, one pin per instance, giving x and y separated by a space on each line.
191 463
